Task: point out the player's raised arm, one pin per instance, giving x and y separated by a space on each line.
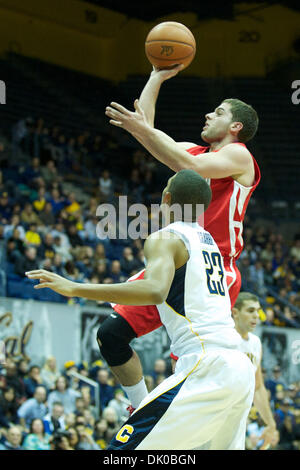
153 289
151 90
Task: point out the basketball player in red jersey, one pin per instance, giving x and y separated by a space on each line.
228 166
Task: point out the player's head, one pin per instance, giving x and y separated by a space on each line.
188 191
232 118
246 312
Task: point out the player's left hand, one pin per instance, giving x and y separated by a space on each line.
55 282
270 437
133 122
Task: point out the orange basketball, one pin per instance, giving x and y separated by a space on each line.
170 43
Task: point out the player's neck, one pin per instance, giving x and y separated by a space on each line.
242 332
221 143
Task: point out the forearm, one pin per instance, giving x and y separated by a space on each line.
149 97
261 403
166 150
141 292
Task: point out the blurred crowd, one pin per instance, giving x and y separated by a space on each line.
50 187
44 408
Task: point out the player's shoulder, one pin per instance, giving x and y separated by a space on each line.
186 145
255 339
236 149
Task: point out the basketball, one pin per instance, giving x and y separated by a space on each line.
170 43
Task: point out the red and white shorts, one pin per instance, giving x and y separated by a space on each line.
144 319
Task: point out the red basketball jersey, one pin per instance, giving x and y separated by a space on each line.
225 214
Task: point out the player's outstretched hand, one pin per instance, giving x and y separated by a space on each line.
165 74
133 122
53 281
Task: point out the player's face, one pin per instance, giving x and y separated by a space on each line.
165 197
248 316
217 124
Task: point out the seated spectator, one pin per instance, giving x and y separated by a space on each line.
72 205
32 236
105 389
61 250
288 434
49 373
13 250
73 437
23 368
37 439
46 250
60 441
105 186
33 408
73 236
5 208
40 202
49 172
119 404
64 394
46 215
56 419
32 381
28 216
277 379
100 434
28 262
13 439
86 441
8 408
32 174
11 379
71 272
115 272
14 224
57 201
128 262
113 425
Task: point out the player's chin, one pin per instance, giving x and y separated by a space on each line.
205 137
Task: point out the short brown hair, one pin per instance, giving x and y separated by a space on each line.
244 113
243 297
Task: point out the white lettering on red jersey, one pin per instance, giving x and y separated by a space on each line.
225 215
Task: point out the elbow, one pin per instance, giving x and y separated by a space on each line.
158 296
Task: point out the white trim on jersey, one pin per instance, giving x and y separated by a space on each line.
233 204
231 274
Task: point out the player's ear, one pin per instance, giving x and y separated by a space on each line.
167 197
234 312
236 127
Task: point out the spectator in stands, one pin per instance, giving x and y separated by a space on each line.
86 441
100 433
277 379
40 202
73 236
288 434
57 265
128 263
49 173
269 317
106 390
33 408
105 186
13 439
23 368
5 208
27 262
63 394
115 271
256 278
71 272
56 419
46 215
113 425
57 201
14 224
73 437
32 236
119 405
37 439
14 248
11 379
28 216
72 205
160 369
49 373
32 381
46 250
8 408
60 441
